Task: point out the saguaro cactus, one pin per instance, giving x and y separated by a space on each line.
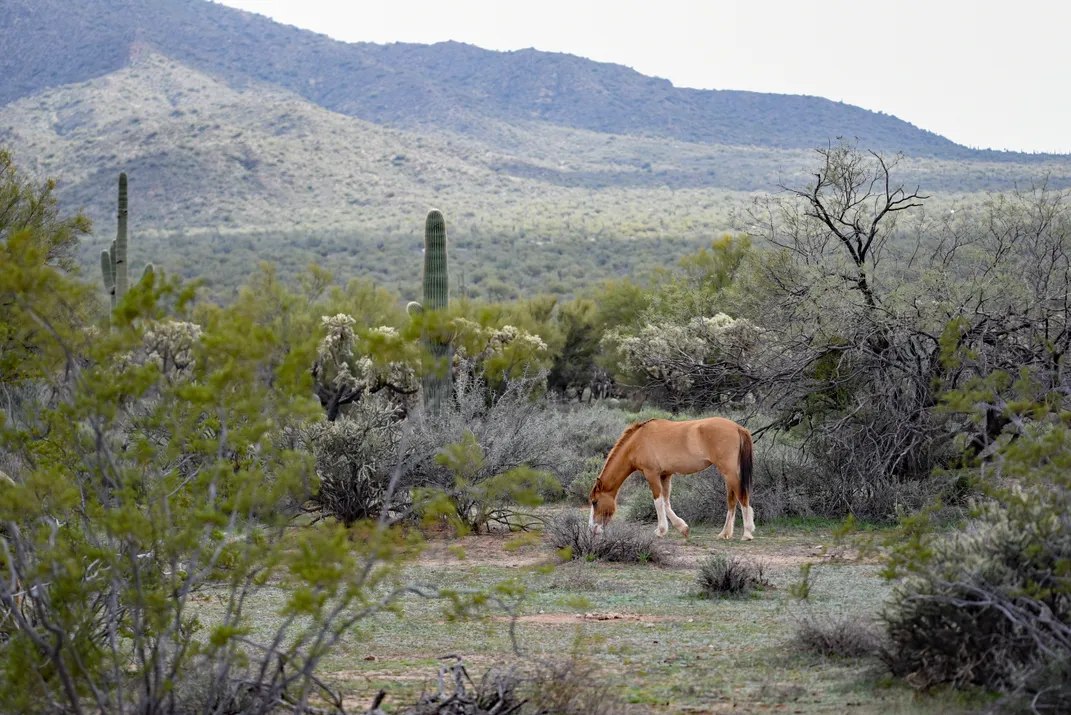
121 279
436 379
113 262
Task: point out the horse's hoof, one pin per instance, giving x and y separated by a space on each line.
748 537
685 531
722 535
661 532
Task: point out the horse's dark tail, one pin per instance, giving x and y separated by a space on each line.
745 463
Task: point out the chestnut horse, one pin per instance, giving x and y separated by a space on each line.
661 448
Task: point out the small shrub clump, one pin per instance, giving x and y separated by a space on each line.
568 687
730 576
618 542
833 637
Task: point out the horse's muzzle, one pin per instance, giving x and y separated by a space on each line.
595 528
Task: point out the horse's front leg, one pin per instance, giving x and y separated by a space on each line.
655 482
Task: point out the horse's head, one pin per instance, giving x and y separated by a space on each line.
603 506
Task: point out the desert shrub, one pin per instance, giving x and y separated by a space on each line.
836 636
991 606
584 438
571 686
485 454
856 472
580 488
355 456
822 477
722 575
621 542
478 498
786 481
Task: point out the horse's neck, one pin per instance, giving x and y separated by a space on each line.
617 470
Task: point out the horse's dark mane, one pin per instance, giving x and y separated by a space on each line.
629 431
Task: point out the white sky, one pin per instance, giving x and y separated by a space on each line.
982 73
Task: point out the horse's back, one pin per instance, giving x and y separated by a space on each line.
688 446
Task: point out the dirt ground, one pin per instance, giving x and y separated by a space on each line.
662 648
665 649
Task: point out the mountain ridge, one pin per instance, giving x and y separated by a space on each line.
446 86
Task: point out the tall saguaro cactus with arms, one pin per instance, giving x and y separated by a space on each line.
436 379
113 262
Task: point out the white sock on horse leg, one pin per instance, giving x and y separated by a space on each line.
730 520
660 509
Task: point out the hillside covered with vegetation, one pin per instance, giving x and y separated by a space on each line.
246 140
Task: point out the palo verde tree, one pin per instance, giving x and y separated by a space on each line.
30 221
161 465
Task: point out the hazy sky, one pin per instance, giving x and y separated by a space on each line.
983 73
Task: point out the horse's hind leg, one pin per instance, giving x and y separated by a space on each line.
678 523
730 496
748 515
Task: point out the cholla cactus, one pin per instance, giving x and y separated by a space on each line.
699 362
171 345
346 373
497 353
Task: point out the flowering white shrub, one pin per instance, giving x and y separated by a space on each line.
699 362
497 353
169 344
350 366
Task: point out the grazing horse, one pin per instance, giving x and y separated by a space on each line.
661 448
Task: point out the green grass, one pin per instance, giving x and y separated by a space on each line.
699 656
812 524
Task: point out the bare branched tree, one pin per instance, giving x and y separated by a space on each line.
865 296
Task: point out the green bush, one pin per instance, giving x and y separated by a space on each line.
991 606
